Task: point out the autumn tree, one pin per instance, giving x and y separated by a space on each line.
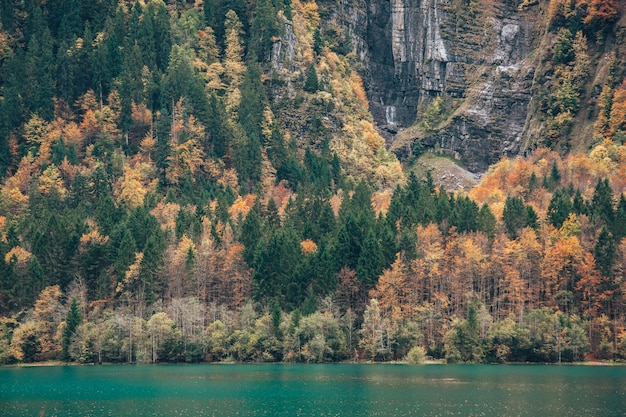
559 272
391 293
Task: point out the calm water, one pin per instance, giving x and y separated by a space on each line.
313 390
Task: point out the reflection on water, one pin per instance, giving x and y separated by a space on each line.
313 390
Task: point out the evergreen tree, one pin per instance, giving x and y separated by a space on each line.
602 203
371 261
325 273
312 84
264 27
531 218
579 205
514 216
407 244
209 8
38 77
487 221
155 38
349 240
150 275
251 233
125 254
318 41
604 252
465 215
619 224
72 321
275 264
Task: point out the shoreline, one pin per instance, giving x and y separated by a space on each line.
43 364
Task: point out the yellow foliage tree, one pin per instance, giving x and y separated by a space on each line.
391 291
49 180
18 254
308 246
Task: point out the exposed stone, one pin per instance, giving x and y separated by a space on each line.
415 50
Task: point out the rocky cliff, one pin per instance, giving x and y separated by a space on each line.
476 80
479 57
474 58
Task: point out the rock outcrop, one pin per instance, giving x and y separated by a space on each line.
476 59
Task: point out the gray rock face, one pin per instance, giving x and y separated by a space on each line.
415 50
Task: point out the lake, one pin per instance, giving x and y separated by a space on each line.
313 390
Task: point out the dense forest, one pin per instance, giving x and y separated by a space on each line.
171 193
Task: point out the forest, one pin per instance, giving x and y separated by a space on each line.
171 192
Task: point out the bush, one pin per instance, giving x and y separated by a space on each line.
416 355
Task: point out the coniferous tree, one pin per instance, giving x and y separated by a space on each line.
559 208
604 252
318 41
125 254
516 216
37 75
602 203
312 83
371 261
251 233
72 321
275 264
619 224
486 221
264 27
348 246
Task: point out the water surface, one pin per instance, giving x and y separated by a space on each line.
313 390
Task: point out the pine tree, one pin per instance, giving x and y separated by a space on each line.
602 203
559 208
251 233
514 216
72 321
604 252
487 221
318 41
619 224
312 84
371 261
38 77
264 28
348 246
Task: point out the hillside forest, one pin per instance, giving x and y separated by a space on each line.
172 191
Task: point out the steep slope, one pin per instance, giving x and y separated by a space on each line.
491 64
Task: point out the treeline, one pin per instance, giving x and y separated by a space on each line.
186 334
432 270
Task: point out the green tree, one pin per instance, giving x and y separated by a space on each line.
264 27
349 243
275 264
619 224
463 342
311 84
487 221
514 216
563 52
125 254
559 208
604 252
37 76
251 233
602 203
371 261
72 321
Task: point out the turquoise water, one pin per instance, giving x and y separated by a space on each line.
313 390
